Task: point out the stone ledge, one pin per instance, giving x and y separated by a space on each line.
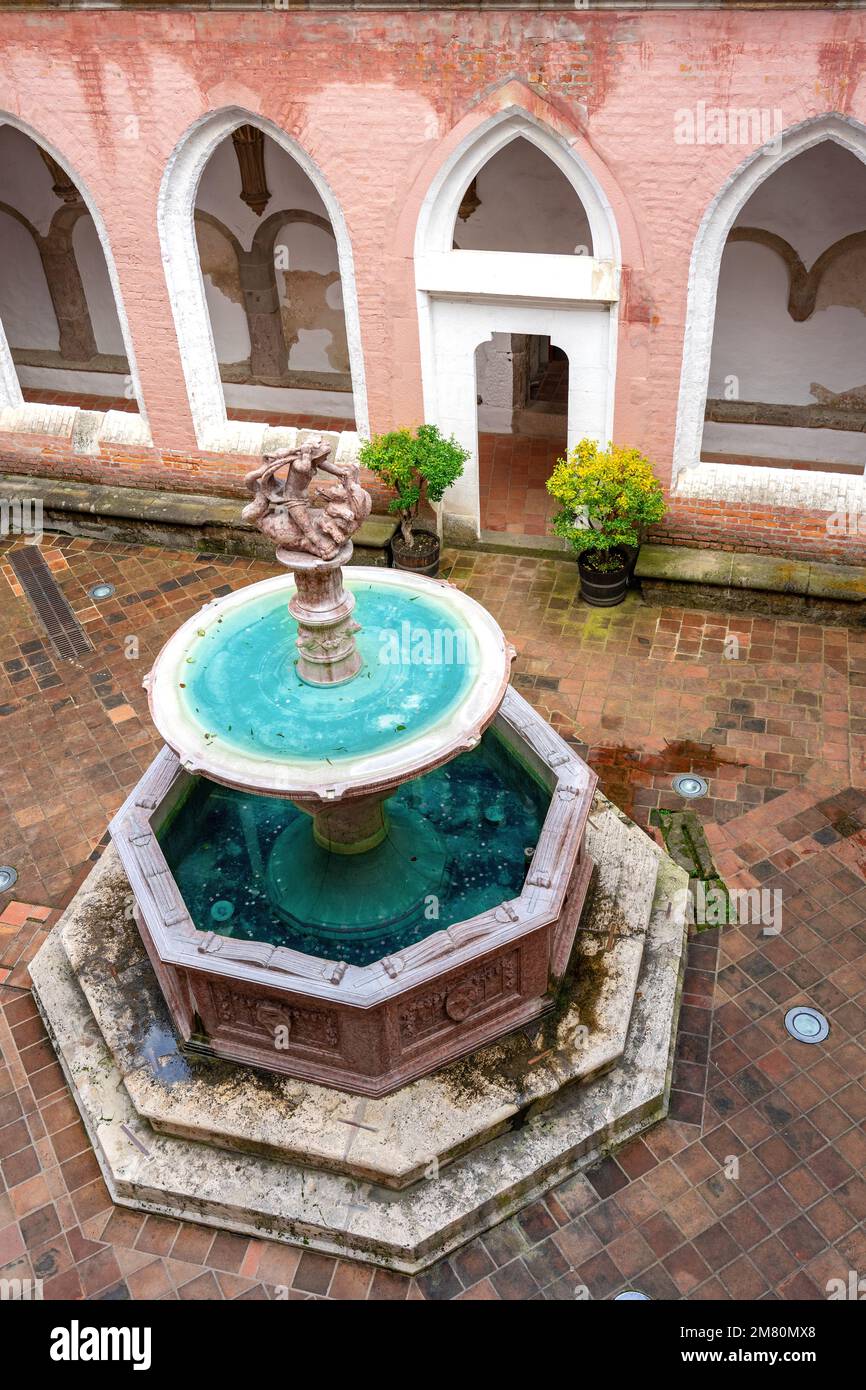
503 543
85 430
752 583
441 1116
746 485
178 519
338 1214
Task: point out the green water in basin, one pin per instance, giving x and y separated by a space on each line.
241 687
485 808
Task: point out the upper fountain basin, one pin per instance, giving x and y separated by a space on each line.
225 694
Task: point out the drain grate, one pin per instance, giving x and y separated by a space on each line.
65 633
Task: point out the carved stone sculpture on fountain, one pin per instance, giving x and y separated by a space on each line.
314 542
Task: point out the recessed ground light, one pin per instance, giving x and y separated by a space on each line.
101 591
632 1296
690 784
806 1025
222 910
8 878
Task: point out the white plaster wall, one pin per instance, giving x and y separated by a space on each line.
230 330
336 405
220 188
812 201
307 248
25 183
228 319
527 204
778 442
310 248
111 384
310 352
97 287
773 357
26 310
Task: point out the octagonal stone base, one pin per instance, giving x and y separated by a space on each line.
398 1180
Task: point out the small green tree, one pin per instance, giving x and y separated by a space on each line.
417 464
608 496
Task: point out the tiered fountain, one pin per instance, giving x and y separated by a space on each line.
360 857
375 837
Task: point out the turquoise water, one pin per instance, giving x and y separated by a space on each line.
485 807
241 687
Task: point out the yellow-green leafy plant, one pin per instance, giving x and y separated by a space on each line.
607 499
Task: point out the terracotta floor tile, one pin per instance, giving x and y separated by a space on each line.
149 1282
662 1214
314 1272
192 1243
203 1286
351 1281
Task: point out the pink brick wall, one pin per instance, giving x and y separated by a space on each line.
378 100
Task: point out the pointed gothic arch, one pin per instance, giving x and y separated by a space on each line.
175 215
441 205
65 219
705 264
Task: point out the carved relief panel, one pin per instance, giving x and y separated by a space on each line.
255 1020
461 1000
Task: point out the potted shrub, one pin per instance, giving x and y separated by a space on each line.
608 497
420 465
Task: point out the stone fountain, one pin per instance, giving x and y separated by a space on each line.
360 956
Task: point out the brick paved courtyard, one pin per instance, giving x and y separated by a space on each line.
771 712
513 470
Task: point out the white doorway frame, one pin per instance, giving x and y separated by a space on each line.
465 296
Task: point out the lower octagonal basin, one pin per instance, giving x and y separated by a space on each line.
459 842
366 970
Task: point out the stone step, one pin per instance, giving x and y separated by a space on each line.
627 862
609 944
446 1114
724 580
338 1213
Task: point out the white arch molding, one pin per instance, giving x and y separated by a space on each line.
175 214
10 387
435 231
465 296
705 264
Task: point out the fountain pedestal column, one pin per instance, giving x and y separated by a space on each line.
351 827
327 651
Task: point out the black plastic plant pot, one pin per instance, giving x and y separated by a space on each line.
604 588
422 557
